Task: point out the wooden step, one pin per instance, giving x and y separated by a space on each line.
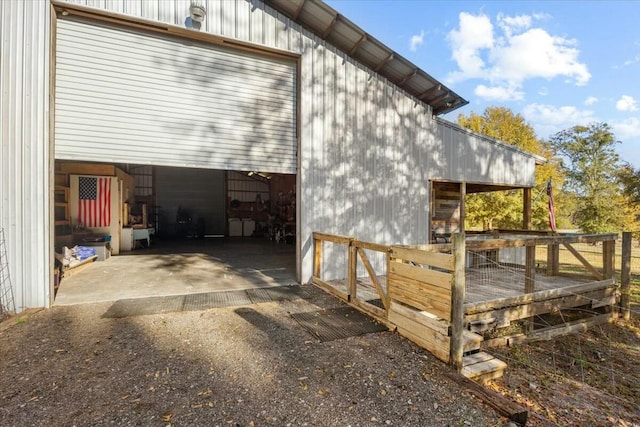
482 367
471 341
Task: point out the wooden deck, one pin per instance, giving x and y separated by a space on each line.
453 305
482 285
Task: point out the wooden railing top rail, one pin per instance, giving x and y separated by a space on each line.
539 241
345 240
371 246
432 247
498 231
332 238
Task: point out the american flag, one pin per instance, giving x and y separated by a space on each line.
552 213
94 204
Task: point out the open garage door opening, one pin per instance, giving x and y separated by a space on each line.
131 231
178 153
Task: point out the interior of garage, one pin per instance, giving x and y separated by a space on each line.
175 162
170 230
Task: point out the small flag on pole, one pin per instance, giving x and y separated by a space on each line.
552 213
94 201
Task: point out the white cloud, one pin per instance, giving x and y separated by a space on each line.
632 61
515 52
536 53
548 119
509 24
499 93
475 33
590 100
416 41
627 128
543 91
626 103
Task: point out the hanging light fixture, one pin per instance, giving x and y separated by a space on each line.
197 12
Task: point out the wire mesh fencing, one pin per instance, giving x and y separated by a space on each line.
7 301
509 265
597 361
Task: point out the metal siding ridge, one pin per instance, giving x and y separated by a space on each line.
24 158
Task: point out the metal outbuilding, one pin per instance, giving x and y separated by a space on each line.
279 86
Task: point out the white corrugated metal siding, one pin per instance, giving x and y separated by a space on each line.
480 159
24 155
124 96
367 151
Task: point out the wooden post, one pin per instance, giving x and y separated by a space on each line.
526 208
530 270
317 258
457 302
625 285
144 215
553 260
352 264
608 257
530 279
463 194
388 282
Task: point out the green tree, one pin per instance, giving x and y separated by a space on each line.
591 166
503 209
629 183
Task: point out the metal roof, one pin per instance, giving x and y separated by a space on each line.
328 24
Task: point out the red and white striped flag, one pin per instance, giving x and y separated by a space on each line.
552 213
94 204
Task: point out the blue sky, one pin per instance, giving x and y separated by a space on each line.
557 63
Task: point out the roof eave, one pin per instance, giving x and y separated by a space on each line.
326 23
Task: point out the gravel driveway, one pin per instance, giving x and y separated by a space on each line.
251 365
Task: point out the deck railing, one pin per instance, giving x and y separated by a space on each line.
427 291
356 255
515 275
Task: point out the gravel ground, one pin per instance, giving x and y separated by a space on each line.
239 366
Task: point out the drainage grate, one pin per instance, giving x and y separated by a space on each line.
258 295
209 300
337 323
204 301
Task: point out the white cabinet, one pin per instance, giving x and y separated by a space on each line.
126 242
235 227
248 227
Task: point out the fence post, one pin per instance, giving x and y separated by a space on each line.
352 263
457 302
553 259
530 280
317 257
608 256
530 270
625 285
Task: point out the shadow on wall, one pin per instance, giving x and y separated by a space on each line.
367 150
250 103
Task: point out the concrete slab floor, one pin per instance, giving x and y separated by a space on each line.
182 267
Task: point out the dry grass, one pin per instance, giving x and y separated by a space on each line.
587 379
